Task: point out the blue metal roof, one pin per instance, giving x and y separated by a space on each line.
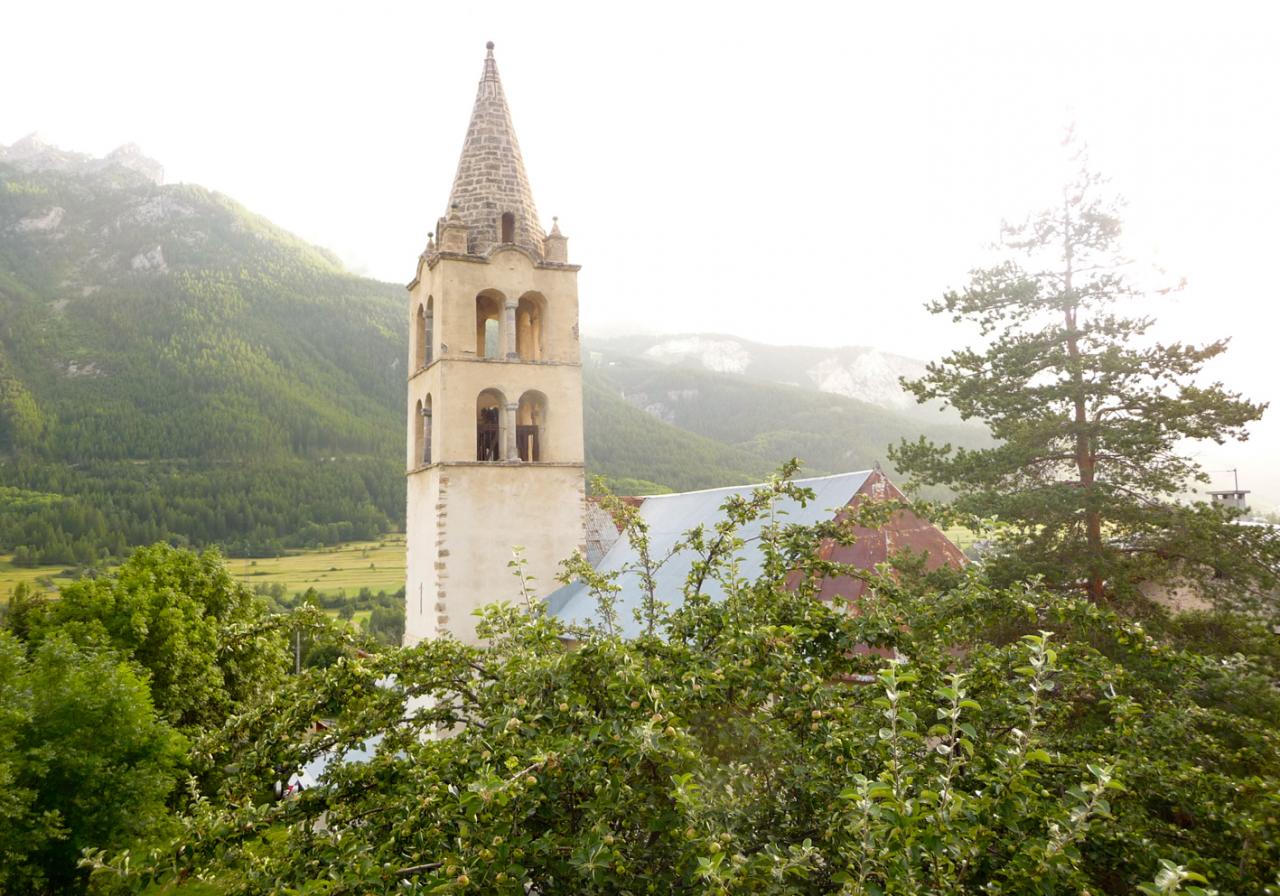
669 518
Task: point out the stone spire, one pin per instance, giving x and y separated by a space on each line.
491 180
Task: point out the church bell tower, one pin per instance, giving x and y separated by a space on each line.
495 454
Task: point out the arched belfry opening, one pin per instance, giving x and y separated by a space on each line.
531 313
422 439
508 228
489 336
531 424
489 408
420 339
428 331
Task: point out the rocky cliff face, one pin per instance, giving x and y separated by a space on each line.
130 156
721 354
866 374
32 153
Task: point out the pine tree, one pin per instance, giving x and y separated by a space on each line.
1088 412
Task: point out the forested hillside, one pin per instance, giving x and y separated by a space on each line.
173 367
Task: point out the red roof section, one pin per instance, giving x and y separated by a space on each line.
904 531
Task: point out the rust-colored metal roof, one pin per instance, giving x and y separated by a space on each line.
904 531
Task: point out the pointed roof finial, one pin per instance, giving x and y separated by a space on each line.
491 179
490 67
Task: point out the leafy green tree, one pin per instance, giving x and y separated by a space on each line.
204 640
23 607
21 829
1088 412
386 624
939 741
84 762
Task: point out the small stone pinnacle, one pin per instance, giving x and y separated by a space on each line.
489 47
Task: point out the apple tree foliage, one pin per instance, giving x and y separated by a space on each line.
948 737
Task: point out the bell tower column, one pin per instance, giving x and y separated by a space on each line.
510 449
509 324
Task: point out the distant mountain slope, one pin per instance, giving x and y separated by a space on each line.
639 454
859 372
769 421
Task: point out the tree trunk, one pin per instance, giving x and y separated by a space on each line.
1085 455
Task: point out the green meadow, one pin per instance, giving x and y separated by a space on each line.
43 578
376 565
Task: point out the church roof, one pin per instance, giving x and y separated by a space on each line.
671 516
491 179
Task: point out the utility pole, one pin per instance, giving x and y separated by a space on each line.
1235 473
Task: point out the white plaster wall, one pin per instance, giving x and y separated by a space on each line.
420 595
485 511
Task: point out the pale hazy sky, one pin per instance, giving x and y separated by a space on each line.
788 172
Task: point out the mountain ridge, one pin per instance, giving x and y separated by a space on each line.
861 372
32 153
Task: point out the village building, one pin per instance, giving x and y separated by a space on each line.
495 456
